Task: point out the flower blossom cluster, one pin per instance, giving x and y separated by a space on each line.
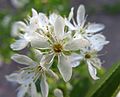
65 39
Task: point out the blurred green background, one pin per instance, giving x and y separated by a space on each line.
99 11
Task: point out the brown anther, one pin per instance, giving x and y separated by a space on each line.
57 48
87 56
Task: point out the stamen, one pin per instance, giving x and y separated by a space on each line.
38 71
87 56
57 48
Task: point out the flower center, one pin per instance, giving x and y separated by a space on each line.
82 30
57 48
87 56
39 68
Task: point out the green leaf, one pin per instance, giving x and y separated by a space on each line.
108 84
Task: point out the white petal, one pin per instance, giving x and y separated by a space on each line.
118 94
44 86
52 18
26 78
38 54
92 28
71 14
58 93
98 41
22 90
92 71
17 27
75 60
69 24
52 74
43 19
38 41
19 44
96 62
64 67
12 77
33 91
80 14
75 63
47 60
59 27
34 24
76 44
22 59
34 12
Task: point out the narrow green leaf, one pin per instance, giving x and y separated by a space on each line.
108 84
116 92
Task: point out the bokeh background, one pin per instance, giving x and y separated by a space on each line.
99 11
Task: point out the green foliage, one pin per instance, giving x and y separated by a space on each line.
108 84
112 9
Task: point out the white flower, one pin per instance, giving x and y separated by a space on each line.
38 23
29 88
80 26
87 31
91 58
21 43
58 43
53 38
23 31
31 73
93 62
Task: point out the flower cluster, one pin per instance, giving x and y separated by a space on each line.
53 37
